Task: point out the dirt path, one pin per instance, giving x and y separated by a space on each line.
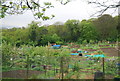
21 74
110 51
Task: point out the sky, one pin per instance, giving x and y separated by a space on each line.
76 9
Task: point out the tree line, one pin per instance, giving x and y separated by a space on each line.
103 28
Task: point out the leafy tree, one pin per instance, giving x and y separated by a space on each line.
88 31
102 28
117 24
21 36
33 31
60 30
48 38
41 32
21 6
73 28
104 25
9 36
38 9
55 38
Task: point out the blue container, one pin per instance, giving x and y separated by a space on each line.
118 64
94 55
80 51
98 55
88 55
74 54
56 46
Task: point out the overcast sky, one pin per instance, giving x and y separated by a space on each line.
77 9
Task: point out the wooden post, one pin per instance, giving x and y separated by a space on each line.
54 70
61 66
62 70
103 65
103 68
27 65
44 66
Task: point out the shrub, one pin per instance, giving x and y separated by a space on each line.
84 42
92 41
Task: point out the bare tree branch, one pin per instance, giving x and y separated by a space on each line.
28 4
104 7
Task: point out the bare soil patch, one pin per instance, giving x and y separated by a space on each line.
110 51
21 74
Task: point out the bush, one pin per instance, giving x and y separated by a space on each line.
59 42
92 41
84 42
79 41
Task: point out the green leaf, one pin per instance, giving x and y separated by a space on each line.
17 6
39 14
24 7
2 15
53 15
43 9
47 3
11 2
45 18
